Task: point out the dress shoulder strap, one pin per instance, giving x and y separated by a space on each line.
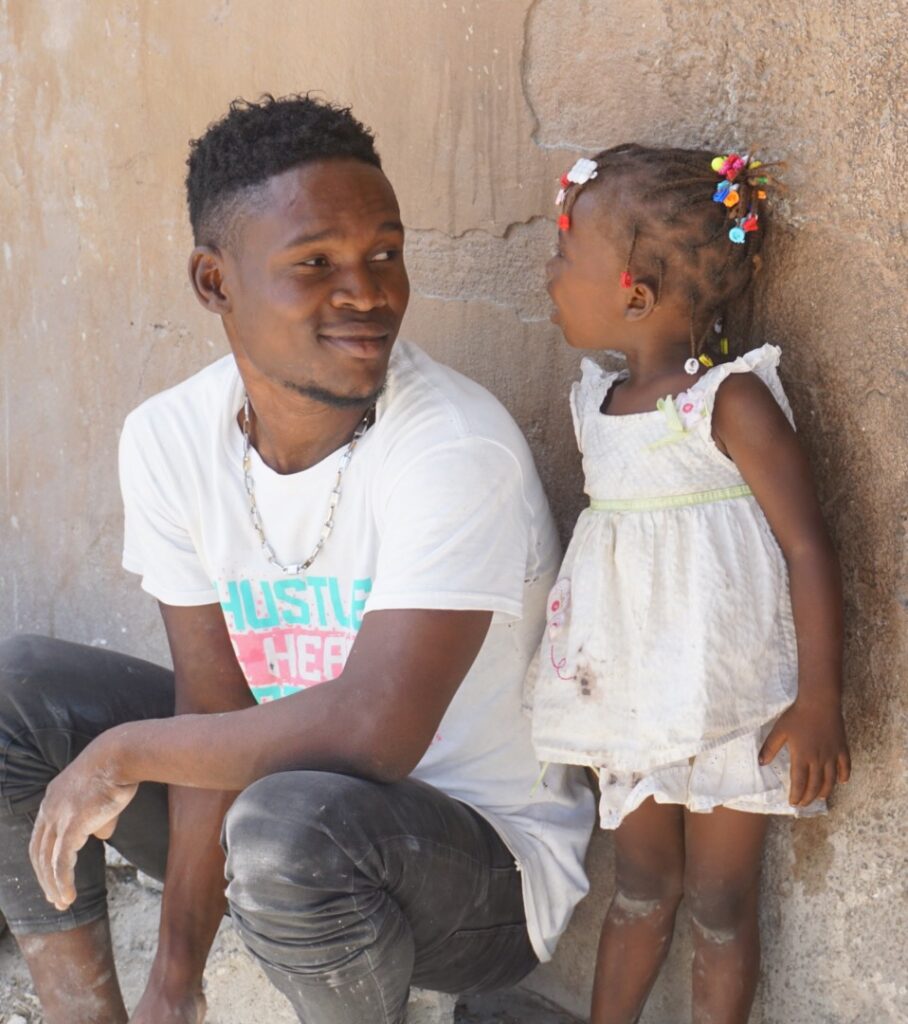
763 361
587 394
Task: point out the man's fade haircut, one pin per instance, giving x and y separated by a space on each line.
256 141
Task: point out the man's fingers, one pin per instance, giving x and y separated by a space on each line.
53 851
772 745
42 846
63 865
844 766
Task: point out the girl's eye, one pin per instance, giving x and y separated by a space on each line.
313 261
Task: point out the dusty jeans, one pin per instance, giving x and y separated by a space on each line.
345 890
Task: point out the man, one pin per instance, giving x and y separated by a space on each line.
322 505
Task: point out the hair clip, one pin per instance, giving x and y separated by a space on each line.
729 166
564 222
584 170
722 190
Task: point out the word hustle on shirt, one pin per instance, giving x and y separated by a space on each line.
292 633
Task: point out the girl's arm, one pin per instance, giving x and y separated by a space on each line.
751 429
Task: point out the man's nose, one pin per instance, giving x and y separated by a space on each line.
359 288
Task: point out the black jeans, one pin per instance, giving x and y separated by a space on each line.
345 890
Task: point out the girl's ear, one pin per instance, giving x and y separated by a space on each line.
206 272
640 301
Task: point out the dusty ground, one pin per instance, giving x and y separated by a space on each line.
237 991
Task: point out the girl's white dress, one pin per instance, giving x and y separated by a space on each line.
670 647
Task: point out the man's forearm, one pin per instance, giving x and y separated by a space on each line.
334 727
194 902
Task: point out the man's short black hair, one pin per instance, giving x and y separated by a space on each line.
255 141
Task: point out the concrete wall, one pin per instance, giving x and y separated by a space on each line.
478 107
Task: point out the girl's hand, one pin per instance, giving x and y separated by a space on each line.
815 735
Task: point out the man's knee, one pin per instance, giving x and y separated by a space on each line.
27 663
21 657
297 829
25 774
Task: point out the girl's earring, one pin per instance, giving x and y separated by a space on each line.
692 365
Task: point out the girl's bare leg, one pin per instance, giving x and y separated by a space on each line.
74 975
637 932
721 885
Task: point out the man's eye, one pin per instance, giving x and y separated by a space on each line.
386 255
313 261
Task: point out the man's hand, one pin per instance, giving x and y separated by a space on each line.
157 1008
819 751
82 801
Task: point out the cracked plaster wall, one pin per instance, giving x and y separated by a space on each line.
478 106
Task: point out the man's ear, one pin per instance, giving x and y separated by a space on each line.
206 272
641 300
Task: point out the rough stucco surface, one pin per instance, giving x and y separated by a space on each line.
477 107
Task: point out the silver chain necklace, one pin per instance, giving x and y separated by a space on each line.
334 497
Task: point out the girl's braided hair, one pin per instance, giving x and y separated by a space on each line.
678 234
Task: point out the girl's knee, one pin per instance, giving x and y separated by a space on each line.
640 894
719 908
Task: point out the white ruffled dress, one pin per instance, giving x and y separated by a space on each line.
670 647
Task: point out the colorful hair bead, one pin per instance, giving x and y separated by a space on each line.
737 235
706 361
717 163
732 167
722 190
732 199
761 194
564 222
625 280
750 222
723 346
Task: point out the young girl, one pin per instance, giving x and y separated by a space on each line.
693 651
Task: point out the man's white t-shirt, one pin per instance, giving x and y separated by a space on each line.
441 507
